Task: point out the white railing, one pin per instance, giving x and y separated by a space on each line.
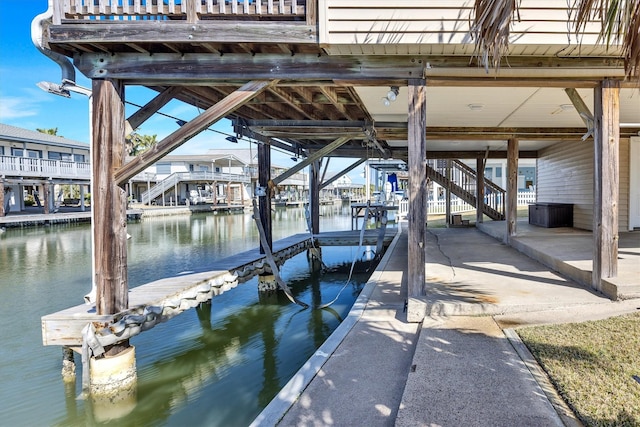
526 198
458 205
43 168
171 10
169 182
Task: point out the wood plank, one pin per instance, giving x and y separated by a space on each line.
417 215
606 185
191 129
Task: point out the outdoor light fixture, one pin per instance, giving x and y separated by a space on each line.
181 122
54 88
63 89
392 95
232 139
294 158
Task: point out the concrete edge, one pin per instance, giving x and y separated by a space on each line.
566 415
452 308
288 395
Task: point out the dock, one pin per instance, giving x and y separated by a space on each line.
163 299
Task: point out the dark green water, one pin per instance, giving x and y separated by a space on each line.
217 365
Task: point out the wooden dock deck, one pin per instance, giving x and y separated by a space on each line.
163 299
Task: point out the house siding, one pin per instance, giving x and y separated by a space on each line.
565 175
443 27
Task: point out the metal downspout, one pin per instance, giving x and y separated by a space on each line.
37 31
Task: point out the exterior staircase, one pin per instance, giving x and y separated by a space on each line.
461 180
200 176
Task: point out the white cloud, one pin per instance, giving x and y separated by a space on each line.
15 107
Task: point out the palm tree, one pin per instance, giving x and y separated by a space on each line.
138 143
50 131
620 25
491 25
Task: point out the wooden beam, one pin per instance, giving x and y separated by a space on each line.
417 215
476 154
191 129
512 189
310 159
342 172
372 69
173 32
136 119
606 180
109 201
580 106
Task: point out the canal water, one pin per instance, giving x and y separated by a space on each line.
217 365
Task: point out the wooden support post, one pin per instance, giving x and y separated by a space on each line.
512 188
448 193
82 206
417 214
264 201
46 202
109 201
479 190
314 196
2 210
605 177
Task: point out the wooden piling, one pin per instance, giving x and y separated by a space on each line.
109 201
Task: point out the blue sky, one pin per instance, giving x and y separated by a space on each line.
24 105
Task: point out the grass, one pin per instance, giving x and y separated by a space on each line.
592 366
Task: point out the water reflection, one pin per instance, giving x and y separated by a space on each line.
218 365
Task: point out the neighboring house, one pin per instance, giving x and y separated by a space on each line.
35 166
198 178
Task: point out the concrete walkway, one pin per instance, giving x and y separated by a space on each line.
378 370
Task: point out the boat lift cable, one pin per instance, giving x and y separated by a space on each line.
271 260
364 221
307 216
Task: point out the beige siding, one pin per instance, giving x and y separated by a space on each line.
623 201
444 24
565 175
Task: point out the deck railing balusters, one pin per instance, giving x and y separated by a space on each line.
172 10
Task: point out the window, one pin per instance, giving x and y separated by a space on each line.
163 168
498 171
55 155
19 152
1 151
78 158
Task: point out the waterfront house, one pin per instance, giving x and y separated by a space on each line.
34 167
348 78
